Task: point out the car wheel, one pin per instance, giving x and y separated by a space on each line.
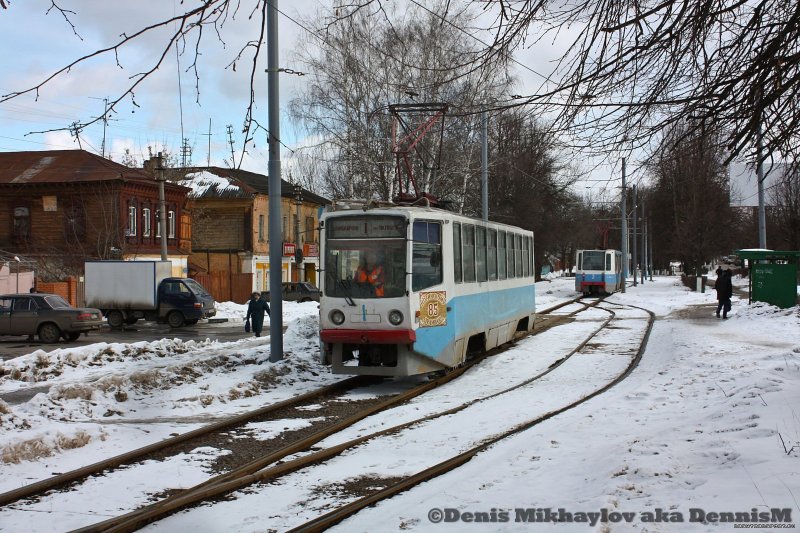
115 319
49 333
175 319
72 336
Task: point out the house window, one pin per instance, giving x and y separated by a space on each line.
171 225
285 229
75 223
131 221
309 235
146 218
22 223
260 228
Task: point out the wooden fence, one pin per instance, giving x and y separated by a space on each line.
225 287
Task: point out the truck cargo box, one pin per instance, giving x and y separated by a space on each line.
124 284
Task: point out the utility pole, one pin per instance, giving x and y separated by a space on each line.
274 169
298 250
762 210
162 207
76 131
650 240
644 245
485 165
635 251
624 215
209 143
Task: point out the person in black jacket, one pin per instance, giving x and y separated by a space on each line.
255 312
724 288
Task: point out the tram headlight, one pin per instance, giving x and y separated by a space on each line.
395 317
337 317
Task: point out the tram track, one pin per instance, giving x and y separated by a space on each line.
332 518
259 471
172 445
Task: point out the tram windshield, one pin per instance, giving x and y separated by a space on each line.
594 260
365 257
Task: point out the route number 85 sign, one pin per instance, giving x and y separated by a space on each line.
432 309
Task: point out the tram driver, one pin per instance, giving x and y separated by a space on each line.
370 273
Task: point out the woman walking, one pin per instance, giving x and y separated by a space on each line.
255 312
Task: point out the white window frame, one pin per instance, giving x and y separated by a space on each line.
131 221
170 224
146 221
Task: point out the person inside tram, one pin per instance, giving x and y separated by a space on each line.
370 273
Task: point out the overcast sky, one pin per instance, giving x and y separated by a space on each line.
36 43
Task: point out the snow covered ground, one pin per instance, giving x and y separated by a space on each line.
709 421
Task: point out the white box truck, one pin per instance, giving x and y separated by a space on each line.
126 291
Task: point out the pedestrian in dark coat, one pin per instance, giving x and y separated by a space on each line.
255 312
724 288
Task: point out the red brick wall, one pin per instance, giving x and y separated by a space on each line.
65 289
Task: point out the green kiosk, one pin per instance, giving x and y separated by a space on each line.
773 276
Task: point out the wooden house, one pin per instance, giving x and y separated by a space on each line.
63 207
230 233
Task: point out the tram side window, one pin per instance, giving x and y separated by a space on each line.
457 272
468 236
501 254
518 254
531 264
492 258
608 262
480 253
426 269
510 255
525 266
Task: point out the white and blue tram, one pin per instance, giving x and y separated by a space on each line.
598 271
451 286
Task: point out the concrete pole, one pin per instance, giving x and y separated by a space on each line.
298 191
162 208
485 165
624 212
635 251
762 210
644 246
650 243
274 169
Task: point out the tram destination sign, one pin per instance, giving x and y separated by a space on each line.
372 227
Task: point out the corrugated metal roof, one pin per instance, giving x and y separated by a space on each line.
60 166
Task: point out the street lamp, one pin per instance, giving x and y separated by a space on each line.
17 260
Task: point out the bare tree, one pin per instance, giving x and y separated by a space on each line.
689 202
785 211
640 67
185 32
364 62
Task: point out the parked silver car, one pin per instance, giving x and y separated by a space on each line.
47 315
297 292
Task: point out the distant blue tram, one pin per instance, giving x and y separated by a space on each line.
598 271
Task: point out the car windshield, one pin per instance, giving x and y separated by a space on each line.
196 288
56 302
